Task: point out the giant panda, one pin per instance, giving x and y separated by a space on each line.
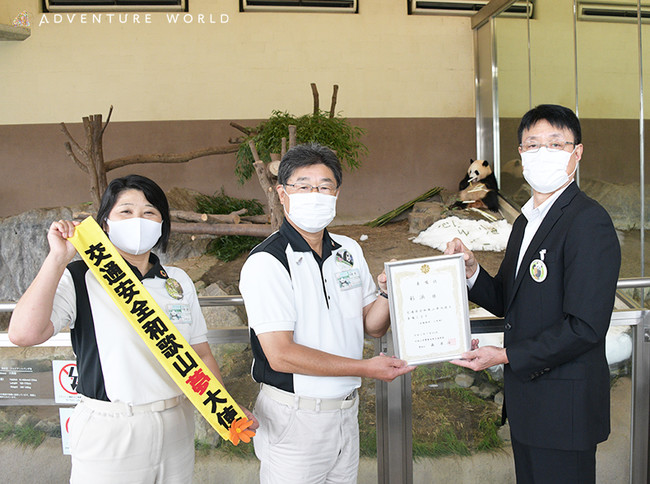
479 187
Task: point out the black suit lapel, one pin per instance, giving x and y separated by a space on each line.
547 225
512 255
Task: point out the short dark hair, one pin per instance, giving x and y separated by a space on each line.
306 155
557 116
152 192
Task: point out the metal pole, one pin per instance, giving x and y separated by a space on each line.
641 145
640 418
575 68
394 425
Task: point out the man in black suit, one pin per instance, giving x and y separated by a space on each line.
555 289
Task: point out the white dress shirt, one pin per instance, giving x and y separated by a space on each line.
535 217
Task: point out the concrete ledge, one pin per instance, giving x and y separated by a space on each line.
9 32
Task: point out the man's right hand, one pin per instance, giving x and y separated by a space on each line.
387 369
456 246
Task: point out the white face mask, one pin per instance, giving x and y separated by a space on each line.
545 171
134 235
312 212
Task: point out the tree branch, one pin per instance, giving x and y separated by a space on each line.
168 157
243 129
334 95
314 92
251 145
108 119
79 163
67 134
292 135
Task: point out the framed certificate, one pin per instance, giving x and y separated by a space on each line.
428 308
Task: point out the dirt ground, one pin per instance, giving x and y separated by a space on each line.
392 241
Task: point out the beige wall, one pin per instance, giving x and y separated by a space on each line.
387 63
607 63
174 86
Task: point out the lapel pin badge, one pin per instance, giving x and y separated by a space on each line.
538 270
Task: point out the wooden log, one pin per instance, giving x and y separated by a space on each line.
251 145
292 135
256 219
231 218
273 167
273 201
253 230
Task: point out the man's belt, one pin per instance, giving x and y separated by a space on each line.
308 403
130 409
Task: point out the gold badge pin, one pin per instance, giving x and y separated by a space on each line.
174 288
538 270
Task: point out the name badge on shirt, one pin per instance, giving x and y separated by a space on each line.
179 313
349 279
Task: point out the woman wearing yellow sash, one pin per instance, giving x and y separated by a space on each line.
133 425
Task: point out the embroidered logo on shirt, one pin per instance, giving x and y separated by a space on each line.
345 258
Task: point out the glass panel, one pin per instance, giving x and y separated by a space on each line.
608 84
457 425
608 106
613 455
551 80
514 101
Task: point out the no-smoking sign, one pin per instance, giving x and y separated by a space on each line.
66 379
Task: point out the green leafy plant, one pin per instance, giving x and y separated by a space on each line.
28 436
202 447
368 442
446 443
223 204
334 132
241 450
228 247
6 431
488 428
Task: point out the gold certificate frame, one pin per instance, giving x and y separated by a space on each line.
428 308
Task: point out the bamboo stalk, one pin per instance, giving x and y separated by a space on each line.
387 217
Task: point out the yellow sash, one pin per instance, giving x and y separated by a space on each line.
167 344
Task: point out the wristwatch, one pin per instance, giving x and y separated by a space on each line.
382 293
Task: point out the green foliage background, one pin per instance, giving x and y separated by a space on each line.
335 133
229 247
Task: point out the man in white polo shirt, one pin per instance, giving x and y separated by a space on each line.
310 298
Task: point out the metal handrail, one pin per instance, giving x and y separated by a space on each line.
479 325
238 300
